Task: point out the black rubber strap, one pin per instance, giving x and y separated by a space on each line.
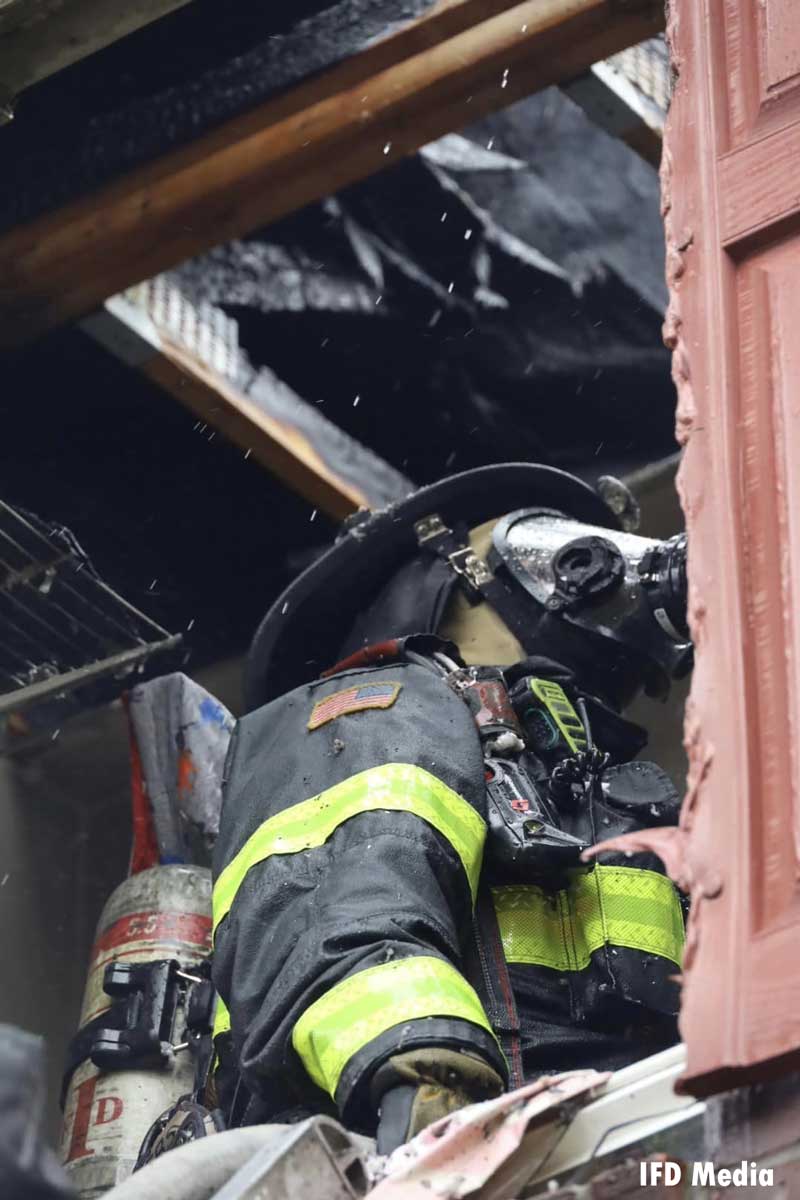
513 609
80 1046
394 1123
487 971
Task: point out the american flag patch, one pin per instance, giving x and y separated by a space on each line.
353 699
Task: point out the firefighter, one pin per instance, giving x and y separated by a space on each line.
403 919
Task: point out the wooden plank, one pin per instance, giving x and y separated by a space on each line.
319 137
288 455
218 402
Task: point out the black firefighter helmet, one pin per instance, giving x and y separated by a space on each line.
562 574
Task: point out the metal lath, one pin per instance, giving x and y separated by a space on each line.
63 631
646 67
628 95
206 331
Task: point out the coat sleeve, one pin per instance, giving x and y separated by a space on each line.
345 874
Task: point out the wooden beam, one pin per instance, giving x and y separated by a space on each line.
436 76
220 403
613 103
286 453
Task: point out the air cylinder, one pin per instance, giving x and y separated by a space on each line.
163 913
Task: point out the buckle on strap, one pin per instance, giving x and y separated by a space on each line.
469 567
430 527
136 1031
473 573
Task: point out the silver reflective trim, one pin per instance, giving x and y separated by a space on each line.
529 544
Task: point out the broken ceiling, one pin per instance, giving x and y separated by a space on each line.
166 83
498 296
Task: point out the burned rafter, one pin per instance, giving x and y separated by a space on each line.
449 67
193 354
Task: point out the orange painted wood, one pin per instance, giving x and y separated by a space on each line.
467 58
732 213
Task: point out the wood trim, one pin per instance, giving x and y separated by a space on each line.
436 76
759 184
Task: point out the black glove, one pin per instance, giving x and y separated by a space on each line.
416 1088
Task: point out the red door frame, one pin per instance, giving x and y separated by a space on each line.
731 197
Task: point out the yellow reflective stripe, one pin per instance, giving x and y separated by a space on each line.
555 700
222 1018
624 906
363 1006
396 787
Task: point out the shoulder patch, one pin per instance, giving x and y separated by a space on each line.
353 699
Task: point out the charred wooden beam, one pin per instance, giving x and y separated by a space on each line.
38 39
465 59
613 104
194 356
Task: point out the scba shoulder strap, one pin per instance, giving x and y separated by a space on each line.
476 577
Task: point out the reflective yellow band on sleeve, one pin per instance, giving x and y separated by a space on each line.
363 1006
622 906
395 787
222 1018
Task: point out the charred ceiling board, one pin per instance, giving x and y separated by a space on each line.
40 37
193 354
581 197
310 141
172 81
444 332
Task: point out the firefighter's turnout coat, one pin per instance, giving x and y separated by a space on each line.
355 916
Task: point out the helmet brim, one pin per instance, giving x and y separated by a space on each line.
302 632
